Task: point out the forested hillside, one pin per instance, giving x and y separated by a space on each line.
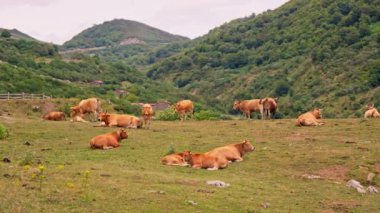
317 53
120 32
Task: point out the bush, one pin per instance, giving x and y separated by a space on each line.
206 115
4 133
168 114
65 109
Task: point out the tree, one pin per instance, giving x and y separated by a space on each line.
5 34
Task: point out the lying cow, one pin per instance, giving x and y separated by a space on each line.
371 112
232 152
311 118
91 105
147 113
269 106
54 116
204 161
108 140
183 107
120 120
174 160
249 106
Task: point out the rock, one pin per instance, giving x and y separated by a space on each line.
192 202
265 205
7 175
372 189
307 176
356 184
218 183
370 177
205 191
27 143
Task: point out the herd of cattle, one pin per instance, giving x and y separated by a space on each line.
217 158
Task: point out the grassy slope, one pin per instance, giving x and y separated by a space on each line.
122 179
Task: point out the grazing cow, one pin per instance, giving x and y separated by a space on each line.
269 107
174 160
371 112
118 120
311 118
183 107
204 161
55 116
108 140
147 113
232 152
91 105
249 106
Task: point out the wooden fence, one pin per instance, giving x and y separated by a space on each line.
23 96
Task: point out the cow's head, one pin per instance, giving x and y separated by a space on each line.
105 117
370 106
186 156
247 146
176 107
74 111
236 105
123 134
317 113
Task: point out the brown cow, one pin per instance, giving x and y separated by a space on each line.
174 160
269 107
311 118
91 105
371 112
249 106
147 113
204 161
183 107
232 152
108 140
120 120
54 116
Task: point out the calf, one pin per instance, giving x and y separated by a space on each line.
232 152
371 112
91 105
269 106
174 160
55 116
183 107
108 140
120 120
311 118
147 113
204 161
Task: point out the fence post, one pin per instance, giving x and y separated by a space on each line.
8 95
22 95
32 96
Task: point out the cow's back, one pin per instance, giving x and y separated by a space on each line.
185 105
251 105
90 105
229 152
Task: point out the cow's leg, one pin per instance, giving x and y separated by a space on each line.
107 147
238 159
213 168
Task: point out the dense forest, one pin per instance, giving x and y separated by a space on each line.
309 53
317 53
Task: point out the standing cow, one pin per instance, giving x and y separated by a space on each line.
91 105
371 112
269 107
249 106
147 113
183 107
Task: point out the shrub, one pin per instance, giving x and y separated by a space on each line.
206 115
168 114
4 133
65 109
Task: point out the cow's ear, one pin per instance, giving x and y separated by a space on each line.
276 99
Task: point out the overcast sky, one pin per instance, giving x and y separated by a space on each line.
59 20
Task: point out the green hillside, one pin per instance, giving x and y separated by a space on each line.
120 32
15 34
34 67
309 53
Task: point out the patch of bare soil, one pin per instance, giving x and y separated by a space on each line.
7 119
334 173
296 136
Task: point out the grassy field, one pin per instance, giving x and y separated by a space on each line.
131 178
